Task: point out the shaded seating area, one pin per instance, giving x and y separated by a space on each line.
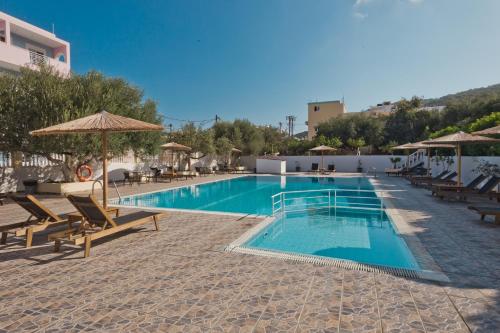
40 219
451 190
98 224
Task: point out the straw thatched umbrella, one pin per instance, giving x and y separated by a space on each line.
489 131
177 148
458 139
322 149
104 123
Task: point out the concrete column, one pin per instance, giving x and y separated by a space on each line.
7 32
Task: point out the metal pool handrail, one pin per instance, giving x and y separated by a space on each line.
279 200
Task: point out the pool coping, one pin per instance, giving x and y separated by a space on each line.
423 257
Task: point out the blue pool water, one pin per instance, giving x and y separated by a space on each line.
365 236
248 194
362 236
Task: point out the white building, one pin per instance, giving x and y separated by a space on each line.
23 44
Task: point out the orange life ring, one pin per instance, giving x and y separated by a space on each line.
84 172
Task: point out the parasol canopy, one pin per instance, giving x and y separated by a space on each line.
102 122
174 146
489 131
458 139
323 148
403 147
236 150
99 122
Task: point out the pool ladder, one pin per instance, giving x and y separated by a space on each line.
114 184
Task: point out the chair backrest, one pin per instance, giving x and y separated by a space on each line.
476 181
126 174
331 167
450 176
36 208
441 175
489 185
91 210
314 166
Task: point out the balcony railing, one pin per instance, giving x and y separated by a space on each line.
38 59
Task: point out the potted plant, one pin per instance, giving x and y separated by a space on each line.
487 168
395 161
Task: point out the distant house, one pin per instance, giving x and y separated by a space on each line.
320 112
386 108
23 44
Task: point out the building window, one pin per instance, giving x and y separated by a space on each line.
2 36
316 108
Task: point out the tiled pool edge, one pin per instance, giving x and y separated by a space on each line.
237 246
421 255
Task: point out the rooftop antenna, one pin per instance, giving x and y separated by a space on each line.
53 28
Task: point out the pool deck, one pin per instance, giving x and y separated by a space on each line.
180 279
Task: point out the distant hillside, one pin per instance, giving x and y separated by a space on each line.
301 135
470 95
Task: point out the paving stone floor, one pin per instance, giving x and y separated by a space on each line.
179 280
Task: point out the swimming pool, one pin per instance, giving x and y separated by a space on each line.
244 195
364 236
357 229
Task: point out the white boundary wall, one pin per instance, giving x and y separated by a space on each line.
271 166
349 163
11 180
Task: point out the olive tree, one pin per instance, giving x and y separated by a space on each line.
40 98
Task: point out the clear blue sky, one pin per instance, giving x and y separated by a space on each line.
264 59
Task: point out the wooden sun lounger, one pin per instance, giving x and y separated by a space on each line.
485 210
455 191
420 178
392 171
486 191
99 224
448 179
40 219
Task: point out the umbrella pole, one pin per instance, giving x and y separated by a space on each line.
407 160
459 165
105 169
428 161
322 164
